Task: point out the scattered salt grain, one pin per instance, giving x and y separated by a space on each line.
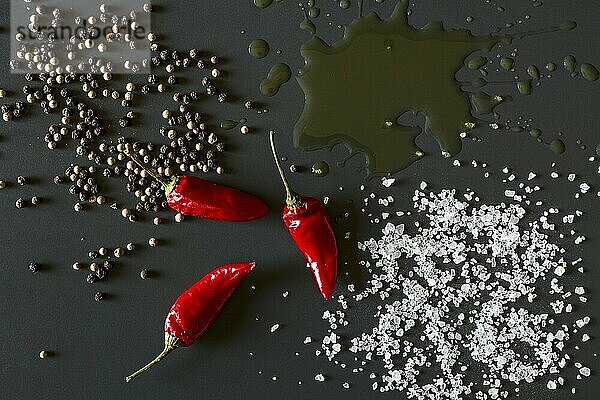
387 182
274 328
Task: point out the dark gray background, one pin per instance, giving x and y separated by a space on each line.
96 344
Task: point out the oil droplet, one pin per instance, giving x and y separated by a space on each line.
345 4
278 75
551 67
536 133
517 129
570 63
557 146
229 124
589 72
314 12
533 72
524 87
598 149
477 62
417 74
507 63
320 168
263 3
469 19
307 25
258 48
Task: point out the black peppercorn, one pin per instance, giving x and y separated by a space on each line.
101 273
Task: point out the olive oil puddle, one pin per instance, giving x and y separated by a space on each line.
356 89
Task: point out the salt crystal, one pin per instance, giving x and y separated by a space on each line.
274 328
319 378
387 182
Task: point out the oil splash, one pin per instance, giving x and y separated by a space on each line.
356 89
278 75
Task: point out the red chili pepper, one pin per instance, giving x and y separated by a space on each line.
196 309
310 226
197 197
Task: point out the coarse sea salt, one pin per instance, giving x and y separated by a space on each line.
453 290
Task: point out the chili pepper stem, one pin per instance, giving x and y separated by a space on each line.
168 185
292 199
171 343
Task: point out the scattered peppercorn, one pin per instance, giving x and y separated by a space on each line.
98 296
33 267
43 354
2 184
20 203
21 180
77 266
91 278
144 274
130 246
119 252
35 200
152 242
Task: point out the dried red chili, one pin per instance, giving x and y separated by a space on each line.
310 226
196 309
190 195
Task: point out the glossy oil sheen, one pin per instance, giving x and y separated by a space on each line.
356 89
